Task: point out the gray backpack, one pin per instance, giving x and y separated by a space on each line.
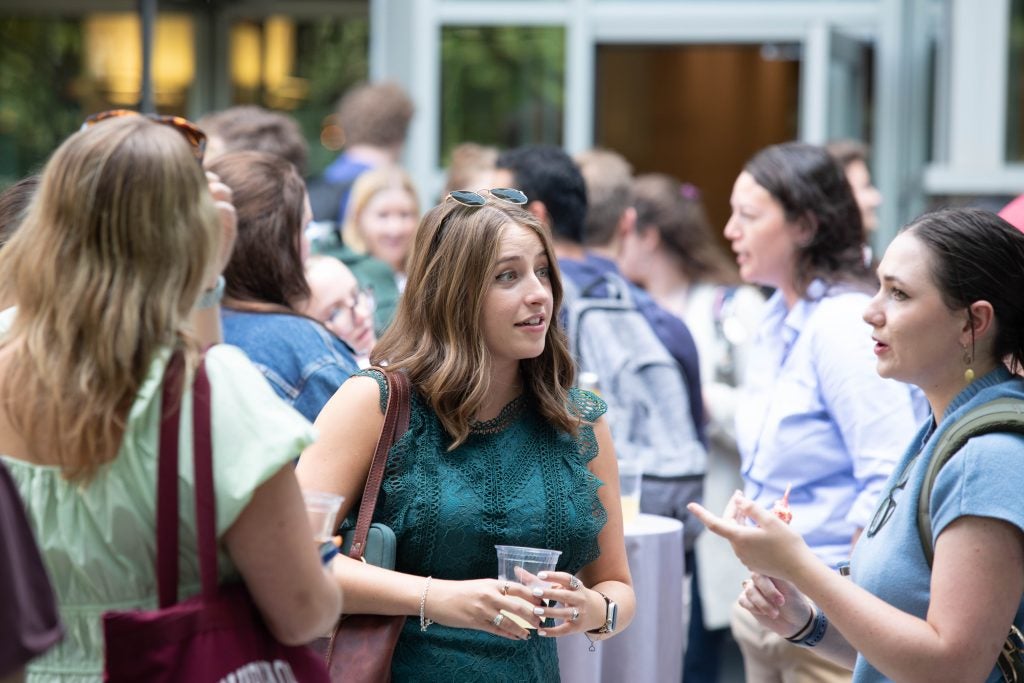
646 391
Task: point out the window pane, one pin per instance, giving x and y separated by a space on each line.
302 67
501 86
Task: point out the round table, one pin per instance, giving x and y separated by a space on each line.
651 649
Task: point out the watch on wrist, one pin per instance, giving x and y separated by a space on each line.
611 615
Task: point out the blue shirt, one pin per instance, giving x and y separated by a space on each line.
815 414
343 171
302 360
670 330
984 478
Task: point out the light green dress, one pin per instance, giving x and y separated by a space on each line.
99 539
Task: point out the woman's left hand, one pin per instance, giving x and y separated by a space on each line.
578 608
770 548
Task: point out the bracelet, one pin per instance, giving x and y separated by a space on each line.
818 632
424 622
803 631
212 297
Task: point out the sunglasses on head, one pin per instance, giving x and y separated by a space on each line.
475 199
195 137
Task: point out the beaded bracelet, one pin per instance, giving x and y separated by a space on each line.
424 622
818 632
803 630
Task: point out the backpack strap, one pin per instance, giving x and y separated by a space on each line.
1000 415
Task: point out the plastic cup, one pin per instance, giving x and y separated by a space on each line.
322 509
521 564
631 474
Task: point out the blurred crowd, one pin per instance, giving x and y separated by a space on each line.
557 317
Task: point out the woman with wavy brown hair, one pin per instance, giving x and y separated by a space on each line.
500 450
112 258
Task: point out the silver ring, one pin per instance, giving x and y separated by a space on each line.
498 619
575 584
575 614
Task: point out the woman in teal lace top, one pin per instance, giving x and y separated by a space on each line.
499 451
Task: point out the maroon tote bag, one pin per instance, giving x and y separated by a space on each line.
218 635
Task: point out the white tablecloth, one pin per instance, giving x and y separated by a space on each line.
651 649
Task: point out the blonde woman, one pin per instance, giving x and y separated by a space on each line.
116 250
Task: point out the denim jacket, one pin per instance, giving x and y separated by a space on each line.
302 360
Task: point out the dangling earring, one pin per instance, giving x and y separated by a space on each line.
968 358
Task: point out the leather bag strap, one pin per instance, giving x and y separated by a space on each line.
167 482
396 423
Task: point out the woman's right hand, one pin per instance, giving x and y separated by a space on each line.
776 604
477 603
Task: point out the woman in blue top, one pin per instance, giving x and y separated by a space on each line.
266 284
947 317
812 412
499 450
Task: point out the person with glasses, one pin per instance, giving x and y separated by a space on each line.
337 300
812 414
500 450
949 318
266 287
118 245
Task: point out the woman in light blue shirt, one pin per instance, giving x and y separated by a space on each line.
813 414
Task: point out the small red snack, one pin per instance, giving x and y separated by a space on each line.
781 507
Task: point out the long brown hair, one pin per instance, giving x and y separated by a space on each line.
437 335
108 263
664 204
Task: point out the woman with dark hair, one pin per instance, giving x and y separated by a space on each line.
500 450
947 317
813 419
266 284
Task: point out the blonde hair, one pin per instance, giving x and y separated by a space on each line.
111 257
437 335
366 186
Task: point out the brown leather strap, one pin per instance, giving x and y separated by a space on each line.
396 422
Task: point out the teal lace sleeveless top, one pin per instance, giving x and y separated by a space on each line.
515 481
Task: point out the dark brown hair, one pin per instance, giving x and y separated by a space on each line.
812 188
269 198
664 204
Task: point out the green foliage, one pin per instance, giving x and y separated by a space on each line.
501 85
40 63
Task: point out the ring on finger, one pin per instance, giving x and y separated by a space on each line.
575 584
504 588
575 614
498 619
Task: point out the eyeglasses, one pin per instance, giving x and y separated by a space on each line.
344 316
475 199
192 134
886 509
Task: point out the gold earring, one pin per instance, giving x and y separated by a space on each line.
968 358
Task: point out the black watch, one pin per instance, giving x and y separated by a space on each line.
611 616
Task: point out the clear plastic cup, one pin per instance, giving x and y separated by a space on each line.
322 509
521 564
631 474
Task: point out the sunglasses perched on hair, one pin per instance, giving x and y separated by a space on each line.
195 137
474 199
